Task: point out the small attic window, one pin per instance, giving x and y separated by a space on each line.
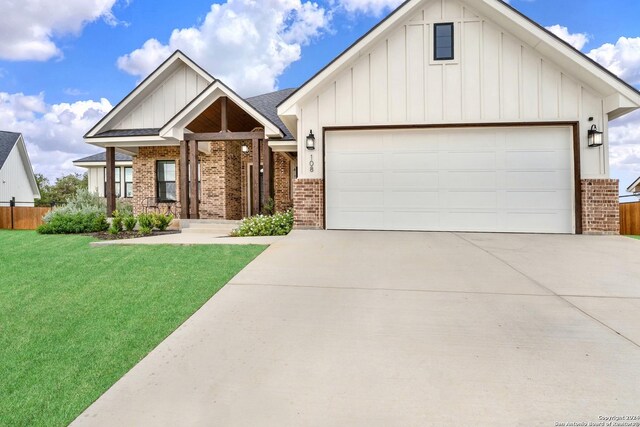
443 42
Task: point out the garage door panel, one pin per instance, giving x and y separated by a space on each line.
468 160
424 180
356 199
413 160
529 159
357 180
412 220
404 199
366 161
557 200
471 199
485 179
464 179
531 180
537 222
347 219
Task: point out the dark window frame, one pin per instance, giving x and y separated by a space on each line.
128 183
158 182
118 181
435 41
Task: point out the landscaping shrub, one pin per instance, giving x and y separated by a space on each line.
116 223
145 221
129 222
73 223
279 224
161 221
269 207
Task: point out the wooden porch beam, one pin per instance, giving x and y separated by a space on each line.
255 182
224 136
267 175
194 202
184 179
223 114
111 181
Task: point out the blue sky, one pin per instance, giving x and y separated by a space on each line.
62 81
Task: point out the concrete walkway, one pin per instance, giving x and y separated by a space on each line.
407 329
201 238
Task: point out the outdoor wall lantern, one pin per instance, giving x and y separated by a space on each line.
311 141
595 137
245 148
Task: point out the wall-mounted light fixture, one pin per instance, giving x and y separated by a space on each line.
311 141
245 148
595 138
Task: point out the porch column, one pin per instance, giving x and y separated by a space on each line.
194 204
111 181
267 175
255 183
184 179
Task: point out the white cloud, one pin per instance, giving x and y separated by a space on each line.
373 7
29 26
577 40
53 133
622 59
246 43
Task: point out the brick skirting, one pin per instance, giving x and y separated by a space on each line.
600 206
308 203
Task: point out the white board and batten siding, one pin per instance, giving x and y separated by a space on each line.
15 181
166 100
494 78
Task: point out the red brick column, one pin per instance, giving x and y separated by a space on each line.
600 206
281 182
308 203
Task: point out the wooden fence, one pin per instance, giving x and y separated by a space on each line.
630 219
21 218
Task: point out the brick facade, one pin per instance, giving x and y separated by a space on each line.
282 182
600 206
223 179
308 202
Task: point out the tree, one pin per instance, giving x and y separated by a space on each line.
64 189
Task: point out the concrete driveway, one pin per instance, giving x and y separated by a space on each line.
407 329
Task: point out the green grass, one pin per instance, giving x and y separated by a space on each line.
74 319
635 237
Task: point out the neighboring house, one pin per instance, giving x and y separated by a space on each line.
96 166
448 115
17 181
635 187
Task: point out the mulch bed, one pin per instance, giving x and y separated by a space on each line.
105 235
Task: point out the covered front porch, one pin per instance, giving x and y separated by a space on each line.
243 163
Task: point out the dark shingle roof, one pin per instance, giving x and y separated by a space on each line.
267 106
102 157
129 132
7 141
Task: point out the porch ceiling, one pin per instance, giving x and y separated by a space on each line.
210 119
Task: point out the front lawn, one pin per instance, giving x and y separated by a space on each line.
74 319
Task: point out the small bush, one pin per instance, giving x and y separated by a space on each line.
129 222
74 223
145 221
116 223
161 221
279 224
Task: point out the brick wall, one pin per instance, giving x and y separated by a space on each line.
600 206
282 182
308 202
144 174
220 170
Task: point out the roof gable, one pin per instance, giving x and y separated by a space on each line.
7 142
623 97
10 141
174 84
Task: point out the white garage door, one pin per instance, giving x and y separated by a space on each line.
472 179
